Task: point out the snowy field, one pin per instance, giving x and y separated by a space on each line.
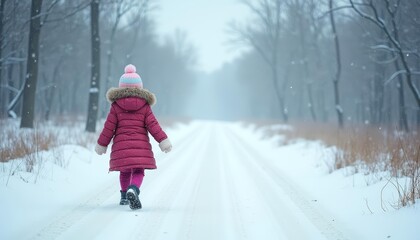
221 181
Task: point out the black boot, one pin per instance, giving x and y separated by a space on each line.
133 197
124 200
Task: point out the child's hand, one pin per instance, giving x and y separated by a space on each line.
165 145
100 149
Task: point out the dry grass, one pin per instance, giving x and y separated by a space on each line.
369 150
25 143
20 144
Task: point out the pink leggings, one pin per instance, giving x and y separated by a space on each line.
131 177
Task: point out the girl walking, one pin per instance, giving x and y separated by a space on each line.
129 121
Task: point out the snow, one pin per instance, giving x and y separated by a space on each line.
221 181
94 90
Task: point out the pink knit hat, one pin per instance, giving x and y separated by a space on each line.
130 78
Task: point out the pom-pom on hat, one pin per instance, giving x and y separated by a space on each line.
130 78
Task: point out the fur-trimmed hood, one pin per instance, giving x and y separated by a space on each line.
117 94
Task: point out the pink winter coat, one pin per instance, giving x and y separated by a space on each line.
128 123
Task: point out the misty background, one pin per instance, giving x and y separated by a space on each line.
341 62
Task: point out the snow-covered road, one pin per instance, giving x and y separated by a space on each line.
215 184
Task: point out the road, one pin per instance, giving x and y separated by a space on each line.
215 184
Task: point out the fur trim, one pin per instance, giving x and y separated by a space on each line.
114 94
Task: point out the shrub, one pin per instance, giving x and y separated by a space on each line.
371 150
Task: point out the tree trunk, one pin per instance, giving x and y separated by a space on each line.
418 108
403 123
29 92
52 90
401 106
277 92
336 79
14 102
2 91
283 105
18 105
320 94
304 57
110 53
14 96
378 90
11 83
95 68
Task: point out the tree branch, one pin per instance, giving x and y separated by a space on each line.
77 9
326 13
397 73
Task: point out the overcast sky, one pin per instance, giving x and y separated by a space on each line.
205 22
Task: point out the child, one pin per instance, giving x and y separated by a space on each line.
128 124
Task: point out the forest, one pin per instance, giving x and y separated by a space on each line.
63 62
341 62
310 132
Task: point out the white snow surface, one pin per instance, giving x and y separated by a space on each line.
221 181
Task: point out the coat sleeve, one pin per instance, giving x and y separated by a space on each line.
153 127
108 131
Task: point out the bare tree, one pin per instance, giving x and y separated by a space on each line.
2 100
403 123
28 108
183 54
15 34
51 88
264 38
63 61
336 78
379 58
95 68
392 32
120 9
316 26
299 11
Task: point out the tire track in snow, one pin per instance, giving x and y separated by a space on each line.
231 189
213 211
257 215
181 169
257 161
192 210
196 210
61 223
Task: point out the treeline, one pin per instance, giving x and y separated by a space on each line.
320 61
126 35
